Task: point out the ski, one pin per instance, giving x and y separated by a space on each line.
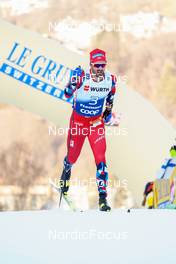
67 198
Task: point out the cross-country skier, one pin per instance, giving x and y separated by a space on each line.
91 89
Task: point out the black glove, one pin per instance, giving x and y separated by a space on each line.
106 113
69 91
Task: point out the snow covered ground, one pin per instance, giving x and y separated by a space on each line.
57 236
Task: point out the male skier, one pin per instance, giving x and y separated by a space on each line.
91 88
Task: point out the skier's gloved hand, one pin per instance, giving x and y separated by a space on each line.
68 91
78 71
75 81
76 76
107 114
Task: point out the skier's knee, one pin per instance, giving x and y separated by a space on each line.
100 158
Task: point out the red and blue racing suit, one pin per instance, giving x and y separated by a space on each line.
86 119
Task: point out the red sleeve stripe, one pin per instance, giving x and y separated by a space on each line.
113 90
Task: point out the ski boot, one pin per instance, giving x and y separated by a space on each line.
103 205
65 177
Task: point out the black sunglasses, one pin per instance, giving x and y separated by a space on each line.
99 65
